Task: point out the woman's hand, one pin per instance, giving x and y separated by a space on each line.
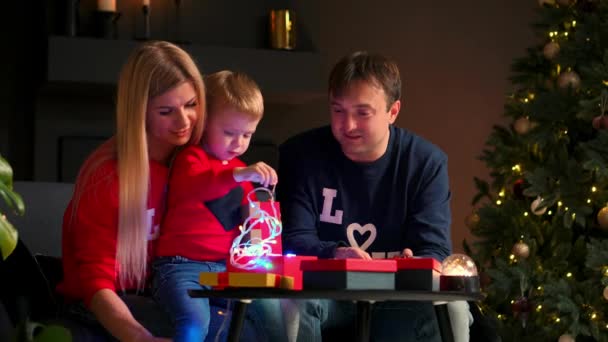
259 172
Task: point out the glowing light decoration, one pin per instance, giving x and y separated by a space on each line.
250 249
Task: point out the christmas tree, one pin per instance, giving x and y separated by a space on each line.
541 222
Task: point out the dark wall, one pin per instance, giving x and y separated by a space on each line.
454 58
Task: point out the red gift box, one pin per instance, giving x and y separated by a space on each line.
361 265
418 274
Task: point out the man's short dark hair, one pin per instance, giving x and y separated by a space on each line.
363 66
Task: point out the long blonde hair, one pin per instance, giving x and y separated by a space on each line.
152 69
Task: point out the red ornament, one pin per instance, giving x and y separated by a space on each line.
600 122
521 309
518 188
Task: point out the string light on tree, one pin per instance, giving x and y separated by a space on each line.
472 220
546 2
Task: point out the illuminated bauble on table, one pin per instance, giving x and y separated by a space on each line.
459 273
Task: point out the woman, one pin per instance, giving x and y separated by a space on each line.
112 221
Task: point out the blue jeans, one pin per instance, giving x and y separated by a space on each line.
391 321
172 278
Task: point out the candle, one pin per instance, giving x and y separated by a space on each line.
146 2
106 5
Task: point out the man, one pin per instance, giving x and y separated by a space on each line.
364 188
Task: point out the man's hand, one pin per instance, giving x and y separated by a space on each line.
351 252
259 172
407 253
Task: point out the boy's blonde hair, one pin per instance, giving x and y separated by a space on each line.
235 90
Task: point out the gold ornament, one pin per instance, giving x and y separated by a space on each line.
602 218
551 50
568 79
521 250
566 338
535 207
471 220
546 2
606 293
522 125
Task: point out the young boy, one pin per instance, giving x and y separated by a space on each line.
207 187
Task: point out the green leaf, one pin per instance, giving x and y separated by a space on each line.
8 237
6 173
12 199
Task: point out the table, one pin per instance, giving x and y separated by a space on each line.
363 298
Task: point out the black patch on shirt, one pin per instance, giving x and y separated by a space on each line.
227 209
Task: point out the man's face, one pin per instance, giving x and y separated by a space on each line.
360 120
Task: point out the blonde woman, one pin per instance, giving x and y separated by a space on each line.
113 218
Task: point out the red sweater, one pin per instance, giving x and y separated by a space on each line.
203 208
90 233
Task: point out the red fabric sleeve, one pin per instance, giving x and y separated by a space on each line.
192 172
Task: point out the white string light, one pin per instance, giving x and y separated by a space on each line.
249 254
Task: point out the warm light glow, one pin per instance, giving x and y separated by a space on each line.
565 34
569 274
220 312
557 320
573 23
588 200
566 209
531 96
525 213
593 315
458 265
501 193
565 131
498 202
539 307
559 203
573 216
516 168
550 212
593 188
511 256
540 288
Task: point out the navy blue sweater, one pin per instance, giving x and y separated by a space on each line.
398 201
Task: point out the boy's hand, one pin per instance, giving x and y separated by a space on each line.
259 172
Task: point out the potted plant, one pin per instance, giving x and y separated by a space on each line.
27 330
14 202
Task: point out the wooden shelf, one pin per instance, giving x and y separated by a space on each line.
284 76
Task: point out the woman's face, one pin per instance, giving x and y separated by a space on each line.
170 118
